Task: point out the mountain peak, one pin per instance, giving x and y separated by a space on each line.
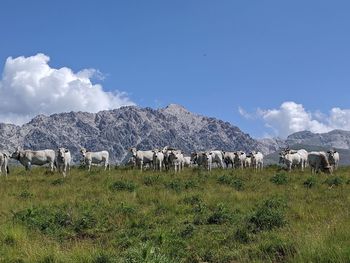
175 109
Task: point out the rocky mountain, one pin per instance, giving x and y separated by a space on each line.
336 139
118 130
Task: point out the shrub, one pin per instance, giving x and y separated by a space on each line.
175 185
190 184
103 258
126 209
59 223
219 216
192 200
234 182
279 179
85 222
225 179
310 182
58 181
268 215
146 253
123 186
25 194
187 232
150 180
333 181
238 184
242 235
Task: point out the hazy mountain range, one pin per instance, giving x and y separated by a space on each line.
145 128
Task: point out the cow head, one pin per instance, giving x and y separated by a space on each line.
156 152
133 151
17 154
207 155
83 151
61 152
282 156
194 157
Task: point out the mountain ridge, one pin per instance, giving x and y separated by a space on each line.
119 129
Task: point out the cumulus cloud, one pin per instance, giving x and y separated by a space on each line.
29 86
292 117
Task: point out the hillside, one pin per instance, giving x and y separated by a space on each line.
193 216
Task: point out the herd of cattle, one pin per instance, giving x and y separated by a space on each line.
169 158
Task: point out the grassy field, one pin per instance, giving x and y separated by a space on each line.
194 216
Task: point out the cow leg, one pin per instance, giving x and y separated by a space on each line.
89 166
28 166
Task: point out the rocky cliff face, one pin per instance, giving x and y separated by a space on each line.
333 139
118 130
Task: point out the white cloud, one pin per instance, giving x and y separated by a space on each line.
291 117
245 114
29 86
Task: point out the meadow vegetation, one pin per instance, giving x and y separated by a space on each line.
124 215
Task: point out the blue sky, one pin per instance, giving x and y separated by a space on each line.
211 57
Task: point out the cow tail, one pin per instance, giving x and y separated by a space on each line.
8 170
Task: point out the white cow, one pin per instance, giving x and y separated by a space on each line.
91 158
176 159
4 163
291 160
257 160
187 161
239 159
28 157
197 158
208 160
303 154
229 158
158 159
248 161
64 159
142 157
318 161
333 158
218 158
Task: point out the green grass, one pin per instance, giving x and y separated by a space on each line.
194 216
